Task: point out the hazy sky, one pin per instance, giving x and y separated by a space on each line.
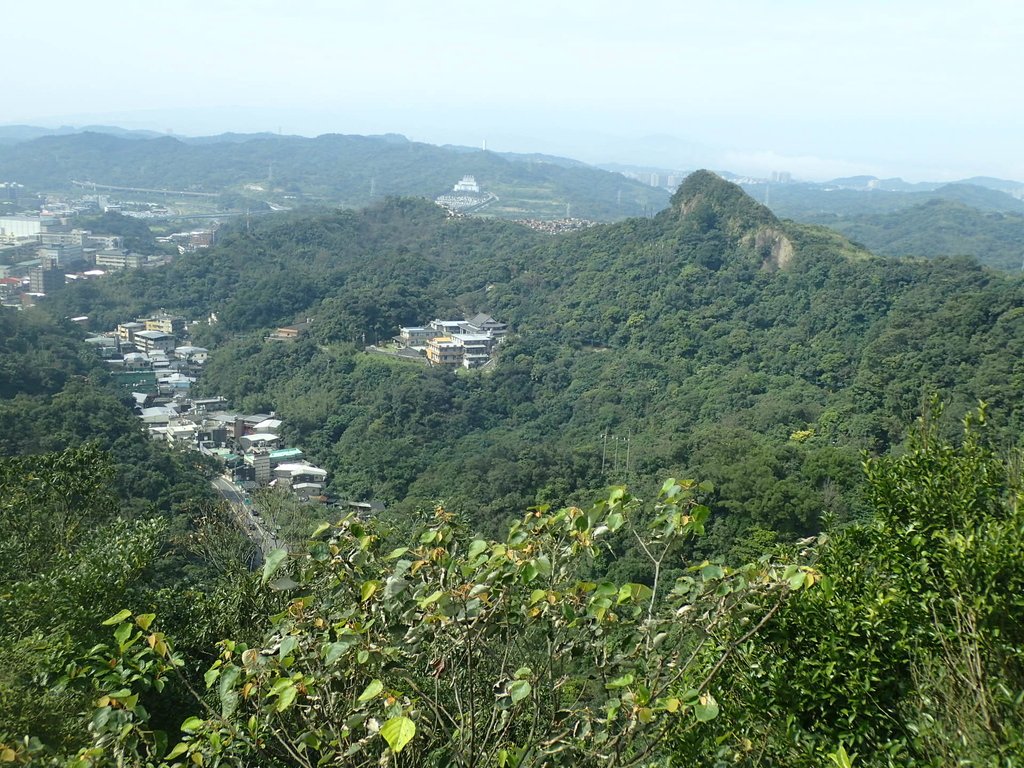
924 89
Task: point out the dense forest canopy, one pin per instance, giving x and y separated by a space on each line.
976 217
696 343
834 588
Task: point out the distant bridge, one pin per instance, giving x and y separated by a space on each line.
180 192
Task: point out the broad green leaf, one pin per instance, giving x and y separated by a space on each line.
286 698
122 633
605 589
537 595
279 685
700 515
431 599
620 682
428 537
396 553
366 591
179 749
283 583
335 651
529 572
519 690
211 676
117 618
145 620
227 692
397 732
476 548
273 562
320 529
706 708
375 687
288 644
191 724
712 572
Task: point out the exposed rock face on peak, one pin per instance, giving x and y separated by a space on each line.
775 248
710 202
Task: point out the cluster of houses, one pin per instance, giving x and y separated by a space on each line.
149 355
249 446
469 343
40 253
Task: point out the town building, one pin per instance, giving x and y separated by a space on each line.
415 336
126 331
21 227
62 255
476 348
467 185
165 323
444 350
45 279
117 258
147 341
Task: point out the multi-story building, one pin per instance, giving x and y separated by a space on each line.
126 331
476 348
165 323
444 350
21 227
148 341
119 259
61 254
415 336
45 279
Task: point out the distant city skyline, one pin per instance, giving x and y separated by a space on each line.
920 90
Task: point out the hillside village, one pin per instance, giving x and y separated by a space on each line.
468 343
147 357
151 358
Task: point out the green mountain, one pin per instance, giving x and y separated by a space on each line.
832 202
777 362
692 344
977 217
942 228
343 170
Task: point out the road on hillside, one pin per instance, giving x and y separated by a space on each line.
248 520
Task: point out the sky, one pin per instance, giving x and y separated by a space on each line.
922 89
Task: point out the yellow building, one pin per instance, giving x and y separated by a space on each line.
165 323
444 351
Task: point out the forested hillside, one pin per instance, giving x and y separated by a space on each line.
335 169
942 228
963 219
836 585
712 341
94 515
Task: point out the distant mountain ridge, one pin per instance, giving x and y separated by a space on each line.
332 168
976 217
